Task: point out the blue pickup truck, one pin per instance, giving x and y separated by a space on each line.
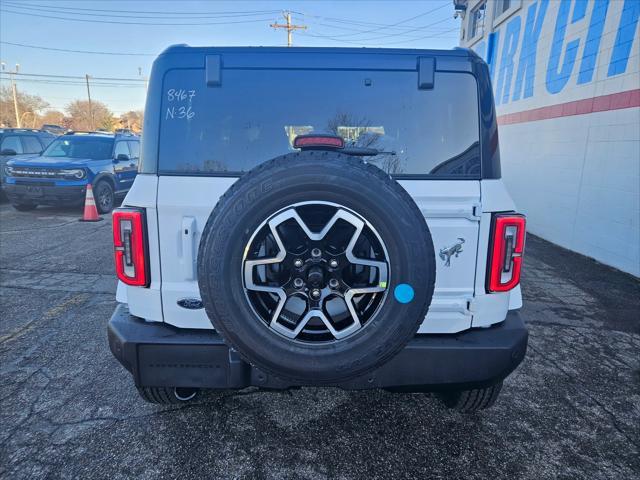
61 173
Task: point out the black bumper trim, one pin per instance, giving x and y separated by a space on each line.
160 355
51 194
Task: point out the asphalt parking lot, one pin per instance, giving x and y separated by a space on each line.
68 410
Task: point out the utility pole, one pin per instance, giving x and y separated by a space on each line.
14 91
90 106
290 28
146 79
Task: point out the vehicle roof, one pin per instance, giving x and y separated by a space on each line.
24 130
312 58
83 133
184 48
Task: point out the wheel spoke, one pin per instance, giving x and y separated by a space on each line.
287 332
249 265
338 334
352 292
380 266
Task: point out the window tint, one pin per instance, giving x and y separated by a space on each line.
476 21
46 139
12 142
135 149
501 6
31 144
255 116
71 146
121 149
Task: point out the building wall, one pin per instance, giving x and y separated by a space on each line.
566 76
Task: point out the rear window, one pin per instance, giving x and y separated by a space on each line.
256 114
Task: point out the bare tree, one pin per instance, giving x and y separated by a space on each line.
132 120
80 115
51 117
359 132
26 104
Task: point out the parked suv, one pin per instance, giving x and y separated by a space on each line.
21 142
60 175
319 217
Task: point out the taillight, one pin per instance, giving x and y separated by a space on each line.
130 246
506 249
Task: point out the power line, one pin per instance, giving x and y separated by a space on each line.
421 28
113 22
349 21
57 9
224 14
80 77
146 11
360 41
111 98
45 9
328 25
364 41
456 29
412 39
385 27
39 47
74 82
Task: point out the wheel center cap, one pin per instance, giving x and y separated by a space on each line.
315 276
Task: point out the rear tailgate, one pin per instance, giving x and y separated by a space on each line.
185 203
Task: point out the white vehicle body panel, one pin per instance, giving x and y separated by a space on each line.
180 200
145 302
449 208
178 208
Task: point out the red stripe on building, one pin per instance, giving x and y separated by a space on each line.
603 103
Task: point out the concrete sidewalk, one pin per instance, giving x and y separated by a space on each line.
68 409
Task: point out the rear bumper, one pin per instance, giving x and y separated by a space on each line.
45 194
159 355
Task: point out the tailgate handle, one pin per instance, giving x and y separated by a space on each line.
188 248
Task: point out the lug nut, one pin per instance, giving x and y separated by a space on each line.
316 252
333 263
315 293
333 283
298 283
297 263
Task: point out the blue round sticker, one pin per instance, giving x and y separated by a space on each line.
404 293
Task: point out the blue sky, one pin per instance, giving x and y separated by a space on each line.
131 27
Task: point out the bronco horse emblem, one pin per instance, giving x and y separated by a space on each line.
453 251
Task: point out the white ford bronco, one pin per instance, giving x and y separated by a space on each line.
319 217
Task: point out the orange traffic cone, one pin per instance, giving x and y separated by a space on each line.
90 210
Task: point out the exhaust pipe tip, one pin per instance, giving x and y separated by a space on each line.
185 394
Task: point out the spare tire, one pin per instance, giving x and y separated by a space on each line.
316 267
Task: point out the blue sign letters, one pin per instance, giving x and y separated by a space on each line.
563 53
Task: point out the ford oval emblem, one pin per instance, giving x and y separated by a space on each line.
191 303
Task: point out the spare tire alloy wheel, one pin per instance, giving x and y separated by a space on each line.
316 267
315 288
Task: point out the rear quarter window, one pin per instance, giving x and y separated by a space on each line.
121 148
134 147
255 115
31 144
12 142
